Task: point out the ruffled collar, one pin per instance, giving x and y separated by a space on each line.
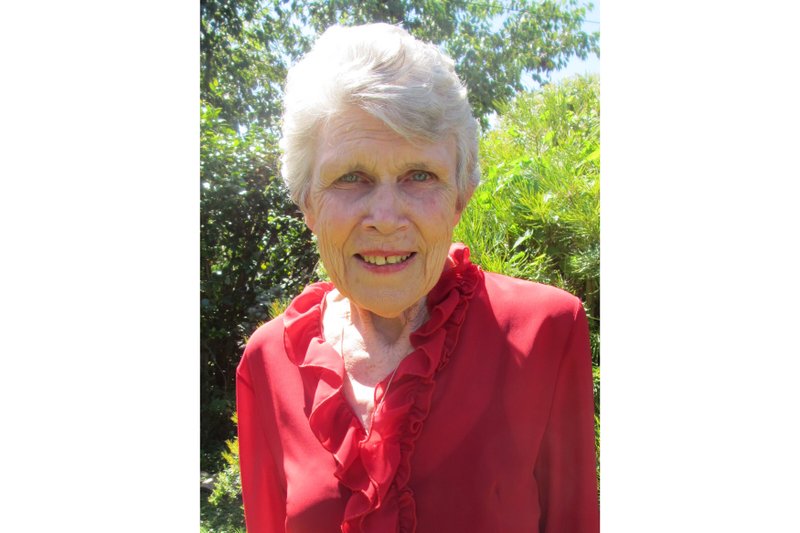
375 465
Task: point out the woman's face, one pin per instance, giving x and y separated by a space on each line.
383 210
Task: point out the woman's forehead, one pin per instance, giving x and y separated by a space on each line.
359 139
352 119
355 125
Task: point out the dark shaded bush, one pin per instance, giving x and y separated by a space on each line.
254 250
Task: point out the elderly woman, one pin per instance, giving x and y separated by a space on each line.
413 392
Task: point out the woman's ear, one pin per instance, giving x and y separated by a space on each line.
308 212
308 218
461 204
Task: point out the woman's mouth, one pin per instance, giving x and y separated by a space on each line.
386 259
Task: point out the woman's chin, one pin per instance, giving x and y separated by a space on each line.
389 290
386 307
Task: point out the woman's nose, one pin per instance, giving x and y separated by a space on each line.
385 210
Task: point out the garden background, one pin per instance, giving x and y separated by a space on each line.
534 216
100 203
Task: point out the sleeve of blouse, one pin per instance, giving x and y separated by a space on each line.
262 494
565 469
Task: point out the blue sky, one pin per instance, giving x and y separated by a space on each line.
592 63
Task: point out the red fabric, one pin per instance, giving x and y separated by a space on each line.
487 426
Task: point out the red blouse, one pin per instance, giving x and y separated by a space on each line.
487 425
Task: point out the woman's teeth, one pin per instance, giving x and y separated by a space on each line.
383 260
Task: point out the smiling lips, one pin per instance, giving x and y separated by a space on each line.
383 259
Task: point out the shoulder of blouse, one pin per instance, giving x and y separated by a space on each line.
267 341
513 296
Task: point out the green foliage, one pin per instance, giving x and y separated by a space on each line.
246 46
278 306
253 250
244 49
222 511
536 214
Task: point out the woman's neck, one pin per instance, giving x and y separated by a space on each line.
371 346
388 331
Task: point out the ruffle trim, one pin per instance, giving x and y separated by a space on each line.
375 466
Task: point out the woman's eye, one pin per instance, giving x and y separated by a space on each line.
420 175
349 178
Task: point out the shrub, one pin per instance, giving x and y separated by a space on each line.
254 250
222 511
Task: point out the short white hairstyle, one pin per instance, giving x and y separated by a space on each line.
409 85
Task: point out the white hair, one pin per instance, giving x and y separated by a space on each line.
409 85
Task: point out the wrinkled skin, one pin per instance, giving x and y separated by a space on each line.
374 195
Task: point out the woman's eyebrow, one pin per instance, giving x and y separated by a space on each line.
341 167
419 165
368 165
